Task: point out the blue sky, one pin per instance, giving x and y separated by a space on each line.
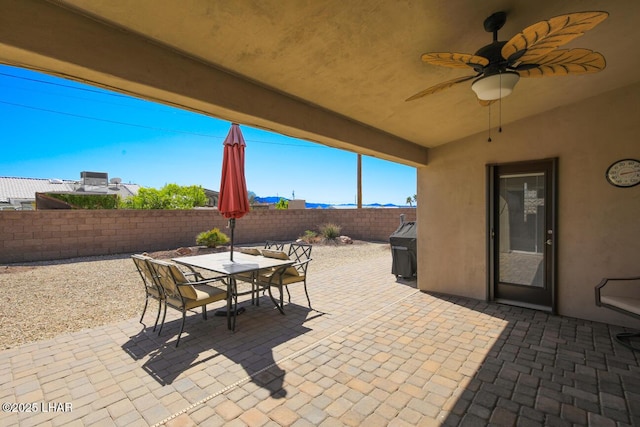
55 128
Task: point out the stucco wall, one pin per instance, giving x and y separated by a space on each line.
598 232
58 234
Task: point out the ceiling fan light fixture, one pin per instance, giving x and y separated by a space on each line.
495 86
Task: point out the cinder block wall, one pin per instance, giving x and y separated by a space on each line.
59 234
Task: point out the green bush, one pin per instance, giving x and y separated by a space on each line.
330 231
282 204
171 196
87 201
212 238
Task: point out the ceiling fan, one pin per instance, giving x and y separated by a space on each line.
531 53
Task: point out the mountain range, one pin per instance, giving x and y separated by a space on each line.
311 205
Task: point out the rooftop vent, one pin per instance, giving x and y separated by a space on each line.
94 178
94 181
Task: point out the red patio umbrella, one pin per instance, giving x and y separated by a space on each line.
233 201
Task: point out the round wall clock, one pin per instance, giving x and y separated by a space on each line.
624 173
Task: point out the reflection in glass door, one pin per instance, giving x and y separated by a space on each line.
521 220
521 246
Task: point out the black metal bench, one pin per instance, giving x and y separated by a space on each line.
622 304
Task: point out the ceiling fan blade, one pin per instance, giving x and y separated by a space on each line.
565 61
486 103
543 37
455 60
440 86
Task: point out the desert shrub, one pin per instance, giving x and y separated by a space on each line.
330 231
309 236
212 238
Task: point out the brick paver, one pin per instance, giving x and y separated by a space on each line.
377 352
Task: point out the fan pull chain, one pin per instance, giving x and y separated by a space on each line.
500 107
500 115
489 140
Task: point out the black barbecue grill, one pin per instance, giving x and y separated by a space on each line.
404 250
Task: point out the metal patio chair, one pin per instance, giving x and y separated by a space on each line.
272 244
282 277
251 277
183 294
151 287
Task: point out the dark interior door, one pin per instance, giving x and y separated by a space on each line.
521 241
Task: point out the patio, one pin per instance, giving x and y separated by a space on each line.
377 352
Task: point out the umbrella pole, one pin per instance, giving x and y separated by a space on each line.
232 225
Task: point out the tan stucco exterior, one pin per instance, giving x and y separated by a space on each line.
338 73
598 224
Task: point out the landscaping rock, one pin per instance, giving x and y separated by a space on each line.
346 240
184 251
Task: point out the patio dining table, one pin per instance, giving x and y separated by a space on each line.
242 263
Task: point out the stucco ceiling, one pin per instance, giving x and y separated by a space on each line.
361 59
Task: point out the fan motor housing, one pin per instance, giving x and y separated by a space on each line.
493 52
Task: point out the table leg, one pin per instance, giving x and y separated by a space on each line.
278 306
232 303
255 295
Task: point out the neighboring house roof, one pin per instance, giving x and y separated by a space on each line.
124 190
14 190
26 188
19 189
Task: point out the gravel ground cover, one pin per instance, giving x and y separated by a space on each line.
41 300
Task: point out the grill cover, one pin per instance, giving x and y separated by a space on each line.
406 235
404 250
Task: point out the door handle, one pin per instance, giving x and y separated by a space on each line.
549 242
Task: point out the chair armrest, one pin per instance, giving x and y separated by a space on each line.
598 290
622 304
278 272
203 282
192 272
199 277
604 282
302 264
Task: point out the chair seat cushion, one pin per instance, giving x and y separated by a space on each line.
205 294
270 253
280 255
631 305
287 279
250 251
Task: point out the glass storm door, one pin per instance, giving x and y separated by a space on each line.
521 236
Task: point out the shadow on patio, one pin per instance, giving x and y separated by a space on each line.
260 330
